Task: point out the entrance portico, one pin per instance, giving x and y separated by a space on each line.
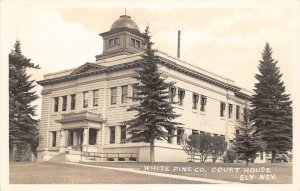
81 132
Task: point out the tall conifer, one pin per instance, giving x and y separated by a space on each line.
22 126
271 106
155 115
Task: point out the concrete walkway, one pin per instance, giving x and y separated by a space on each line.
197 179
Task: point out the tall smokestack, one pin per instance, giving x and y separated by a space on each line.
178 45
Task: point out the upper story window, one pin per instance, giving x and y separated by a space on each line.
172 94
181 94
95 97
56 99
124 94
203 103
195 100
73 101
135 43
64 106
222 109
230 111
123 134
237 112
85 99
113 42
113 95
245 114
135 92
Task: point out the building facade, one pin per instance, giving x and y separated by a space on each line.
83 108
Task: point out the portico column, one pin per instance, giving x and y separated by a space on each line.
62 142
98 142
85 139
174 138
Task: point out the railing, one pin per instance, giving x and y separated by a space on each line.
110 156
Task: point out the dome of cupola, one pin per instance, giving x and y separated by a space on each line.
124 21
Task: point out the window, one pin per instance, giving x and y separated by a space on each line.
195 100
222 109
92 136
85 100
181 93
123 134
180 133
113 93
135 92
230 111
245 114
172 94
116 41
54 139
124 94
56 104
203 103
71 136
64 106
135 43
113 42
237 112
112 135
95 97
73 101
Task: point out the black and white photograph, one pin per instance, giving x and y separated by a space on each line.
150 95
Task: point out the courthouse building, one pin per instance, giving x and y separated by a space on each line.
83 108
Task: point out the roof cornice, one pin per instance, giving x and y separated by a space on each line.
121 30
136 63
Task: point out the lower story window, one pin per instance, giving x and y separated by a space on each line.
71 137
112 135
180 133
54 139
92 136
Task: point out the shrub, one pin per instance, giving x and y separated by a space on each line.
132 159
229 156
121 159
111 159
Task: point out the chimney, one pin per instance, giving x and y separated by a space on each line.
178 45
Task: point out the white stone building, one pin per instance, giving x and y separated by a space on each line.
83 107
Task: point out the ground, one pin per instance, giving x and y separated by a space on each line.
59 173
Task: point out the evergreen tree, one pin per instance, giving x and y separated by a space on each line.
22 127
153 120
248 142
272 112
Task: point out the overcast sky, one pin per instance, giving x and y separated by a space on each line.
225 39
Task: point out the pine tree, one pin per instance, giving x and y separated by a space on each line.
22 127
248 142
272 111
154 118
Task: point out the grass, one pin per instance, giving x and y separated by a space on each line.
281 173
59 173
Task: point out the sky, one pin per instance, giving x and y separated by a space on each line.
226 39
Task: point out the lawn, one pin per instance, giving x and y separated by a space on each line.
58 173
255 173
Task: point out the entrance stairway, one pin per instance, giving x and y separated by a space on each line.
58 158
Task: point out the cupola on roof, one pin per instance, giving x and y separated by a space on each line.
124 21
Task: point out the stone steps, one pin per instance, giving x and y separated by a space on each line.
58 158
